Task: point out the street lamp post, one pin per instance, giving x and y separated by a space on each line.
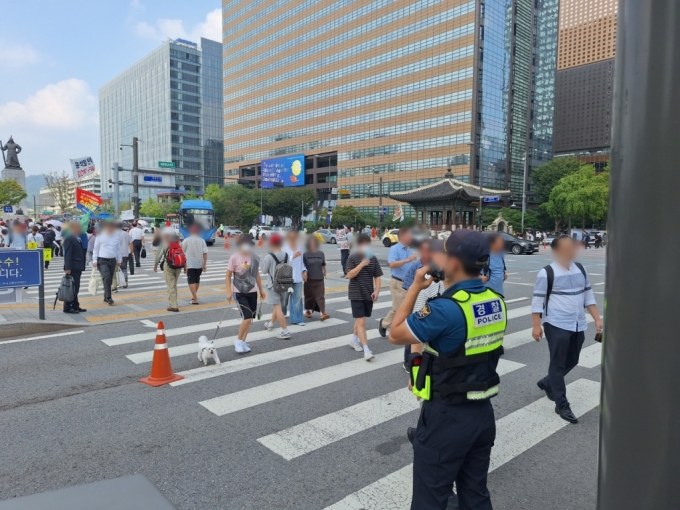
524 188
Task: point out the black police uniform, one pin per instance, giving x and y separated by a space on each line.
452 442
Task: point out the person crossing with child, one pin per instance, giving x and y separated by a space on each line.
363 272
243 283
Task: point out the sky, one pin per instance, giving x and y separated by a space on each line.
54 56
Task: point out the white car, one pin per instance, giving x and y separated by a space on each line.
233 231
265 231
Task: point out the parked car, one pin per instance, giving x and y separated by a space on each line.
390 237
327 235
264 230
233 231
518 246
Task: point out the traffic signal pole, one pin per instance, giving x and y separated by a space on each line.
639 450
135 177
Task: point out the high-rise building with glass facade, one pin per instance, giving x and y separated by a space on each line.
392 90
584 87
172 101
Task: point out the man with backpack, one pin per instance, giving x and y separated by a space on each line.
279 285
172 260
48 243
561 294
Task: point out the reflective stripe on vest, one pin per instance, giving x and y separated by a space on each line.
486 317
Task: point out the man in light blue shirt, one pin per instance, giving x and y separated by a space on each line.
399 259
493 275
295 259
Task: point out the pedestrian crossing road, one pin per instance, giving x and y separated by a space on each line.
303 423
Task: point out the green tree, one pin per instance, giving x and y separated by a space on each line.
580 195
152 208
11 192
351 217
62 188
293 203
514 216
234 205
545 177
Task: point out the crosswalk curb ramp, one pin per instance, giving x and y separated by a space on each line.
161 368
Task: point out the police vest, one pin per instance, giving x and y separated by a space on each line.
469 372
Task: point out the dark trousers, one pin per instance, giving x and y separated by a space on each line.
74 305
137 245
453 444
344 255
107 268
565 348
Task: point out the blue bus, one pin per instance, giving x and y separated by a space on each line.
200 212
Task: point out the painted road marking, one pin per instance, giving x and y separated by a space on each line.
258 360
245 399
515 434
325 430
54 335
591 356
181 350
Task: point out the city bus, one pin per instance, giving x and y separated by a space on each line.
199 212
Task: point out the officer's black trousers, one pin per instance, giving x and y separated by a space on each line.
453 443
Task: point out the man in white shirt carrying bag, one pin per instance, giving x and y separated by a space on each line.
106 257
562 293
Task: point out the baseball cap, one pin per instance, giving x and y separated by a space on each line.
470 246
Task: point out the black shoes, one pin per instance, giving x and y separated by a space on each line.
81 310
72 310
566 414
411 433
548 392
381 330
109 301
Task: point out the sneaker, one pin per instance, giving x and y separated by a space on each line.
300 324
356 345
283 336
245 346
238 347
268 326
368 355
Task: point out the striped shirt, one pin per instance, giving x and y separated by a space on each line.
571 293
361 286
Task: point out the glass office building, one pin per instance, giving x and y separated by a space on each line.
392 90
172 101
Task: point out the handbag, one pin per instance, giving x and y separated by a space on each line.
94 282
120 278
142 253
66 291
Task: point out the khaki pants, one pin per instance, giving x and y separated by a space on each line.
398 294
171 277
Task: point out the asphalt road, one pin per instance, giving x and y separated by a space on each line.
298 424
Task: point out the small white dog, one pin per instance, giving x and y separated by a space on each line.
207 350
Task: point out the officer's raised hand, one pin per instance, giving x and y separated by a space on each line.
422 280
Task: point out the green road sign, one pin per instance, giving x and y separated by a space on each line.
166 164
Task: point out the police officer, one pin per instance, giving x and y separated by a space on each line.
460 335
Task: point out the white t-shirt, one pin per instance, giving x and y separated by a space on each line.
37 238
136 234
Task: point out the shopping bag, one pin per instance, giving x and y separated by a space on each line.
120 278
47 254
95 281
142 253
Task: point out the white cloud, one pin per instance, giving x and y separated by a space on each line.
165 28
57 122
18 55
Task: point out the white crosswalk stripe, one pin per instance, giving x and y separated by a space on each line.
245 399
515 434
181 350
258 360
312 435
591 356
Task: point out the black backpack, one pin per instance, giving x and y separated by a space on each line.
48 238
550 272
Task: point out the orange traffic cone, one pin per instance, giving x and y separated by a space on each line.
260 242
161 368
544 244
226 243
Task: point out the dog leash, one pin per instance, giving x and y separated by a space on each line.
220 323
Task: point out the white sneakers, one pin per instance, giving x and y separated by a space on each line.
284 335
355 344
368 355
241 347
268 326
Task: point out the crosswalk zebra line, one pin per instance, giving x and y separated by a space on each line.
181 350
143 337
515 434
522 337
258 360
245 399
325 430
591 356
376 306
344 298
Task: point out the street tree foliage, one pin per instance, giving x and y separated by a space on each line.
152 208
545 177
293 203
532 219
234 205
62 188
11 192
581 195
